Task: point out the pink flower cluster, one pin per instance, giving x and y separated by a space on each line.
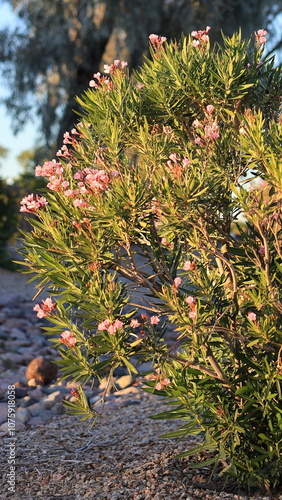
177 165
201 36
68 139
46 308
161 384
64 152
154 320
191 301
53 171
117 65
100 81
49 169
68 338
163 381
109 326
260 36
157 41
208 129
92 180
32 203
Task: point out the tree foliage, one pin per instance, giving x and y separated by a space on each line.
50 57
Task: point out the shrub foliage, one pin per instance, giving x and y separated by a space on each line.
134 238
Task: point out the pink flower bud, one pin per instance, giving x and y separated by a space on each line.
177 282
261 250
210 109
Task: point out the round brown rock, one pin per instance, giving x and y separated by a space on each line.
41 369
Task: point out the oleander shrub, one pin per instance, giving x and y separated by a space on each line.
133 238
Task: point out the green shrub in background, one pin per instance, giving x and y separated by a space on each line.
136 219
9 219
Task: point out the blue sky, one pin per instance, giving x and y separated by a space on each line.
9 167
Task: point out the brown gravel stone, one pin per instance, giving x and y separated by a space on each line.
42 369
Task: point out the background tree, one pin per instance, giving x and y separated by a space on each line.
3 152
51 56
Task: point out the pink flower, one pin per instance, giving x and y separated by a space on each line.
158 386
64 152
78 202
114 173
32 203
211 131
104 325
191 300
134 323
68 338
154 320
70 193
111 329
192 314
96 84
252 316
139 85
189 266
261 250
209 109
45 309
185 162
198 141
165 242
260 36
118 324
196 123
177 282
162 384
201 36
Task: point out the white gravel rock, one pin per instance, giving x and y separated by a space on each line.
23 415
19 427
52 399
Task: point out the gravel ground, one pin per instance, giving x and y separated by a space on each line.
16 283
121 458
